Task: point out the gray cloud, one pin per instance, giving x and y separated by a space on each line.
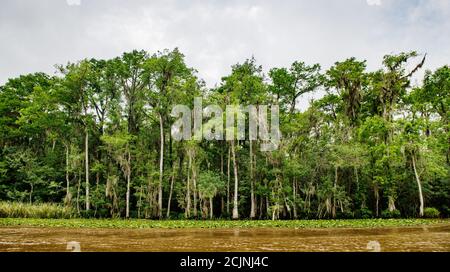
35 35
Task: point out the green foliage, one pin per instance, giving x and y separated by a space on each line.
350 79
431 213
208 224
364 213
92 136
288 85
209 184
391 214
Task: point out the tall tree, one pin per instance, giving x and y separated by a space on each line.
163 72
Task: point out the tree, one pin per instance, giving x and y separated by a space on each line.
390 86
435 91
209 184
243 86
119 146
288 85
29 169
350 79
76 81
162 73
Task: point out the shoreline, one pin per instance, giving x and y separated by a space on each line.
216 224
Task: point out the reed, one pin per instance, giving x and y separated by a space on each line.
40 210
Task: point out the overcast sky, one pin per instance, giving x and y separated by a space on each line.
37 34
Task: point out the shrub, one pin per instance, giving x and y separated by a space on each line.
345 215
431 213
364 213
390 214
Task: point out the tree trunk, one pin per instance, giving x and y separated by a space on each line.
333 210
140 201
170 193
188 189
194 189
222 175
235 196
294 197
377 201
261 205
78 192
391 204
127 212
447 130
67 199
161 165
252 189
86 151
210 208
31 193
418 185
228 179
357 178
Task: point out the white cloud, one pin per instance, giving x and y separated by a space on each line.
254 12
374 2
73 2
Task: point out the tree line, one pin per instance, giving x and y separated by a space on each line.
96 136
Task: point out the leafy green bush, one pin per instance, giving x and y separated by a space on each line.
364 213
44 210
390 214
431 213
345 215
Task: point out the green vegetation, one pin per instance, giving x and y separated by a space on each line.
96 138
23 210
431 213
172 224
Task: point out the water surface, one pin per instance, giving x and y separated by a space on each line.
35 239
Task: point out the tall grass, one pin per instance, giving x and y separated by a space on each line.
42 210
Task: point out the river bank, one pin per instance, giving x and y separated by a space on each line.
170 224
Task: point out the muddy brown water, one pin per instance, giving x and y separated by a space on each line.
421 238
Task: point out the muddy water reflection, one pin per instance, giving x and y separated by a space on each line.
430 238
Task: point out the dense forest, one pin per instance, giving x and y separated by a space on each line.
96 137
